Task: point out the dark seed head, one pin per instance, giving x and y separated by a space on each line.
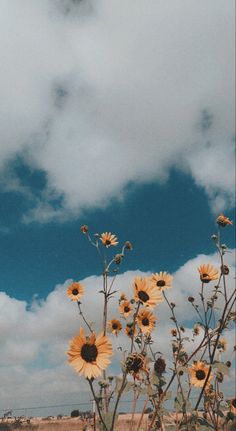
200 374
143 296
145 321
89 352
75 292
160 366
161 283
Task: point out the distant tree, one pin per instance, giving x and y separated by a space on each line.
75 414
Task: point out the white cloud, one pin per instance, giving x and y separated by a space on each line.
34 339
100 94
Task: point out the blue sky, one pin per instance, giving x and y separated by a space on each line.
119 115
168 224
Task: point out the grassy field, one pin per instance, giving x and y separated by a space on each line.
75 424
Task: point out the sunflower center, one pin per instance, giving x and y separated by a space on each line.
75 291
126 309
161 283
115 326
145 321
108 242
135 365
200 374
234 402
89 352
205 278
143 296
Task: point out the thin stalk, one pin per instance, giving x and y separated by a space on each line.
97 404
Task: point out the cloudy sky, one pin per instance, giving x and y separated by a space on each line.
120 115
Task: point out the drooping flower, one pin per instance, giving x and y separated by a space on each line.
125 308
223 220
208 273
128 245
159 365
198 374
108 239
146 293
89 355
135 363
146 321
162 280
75 290
114 326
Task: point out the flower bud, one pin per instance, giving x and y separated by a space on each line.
225 269
191 299
84 229
128 245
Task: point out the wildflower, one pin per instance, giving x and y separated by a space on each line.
146 293
146 321
223 221
128 245
114 326
75 290
163 280
108 239
198 373
224 269
135 363
123 297
222 344
125 308
84 229
89 355
208 273
173 332
130 329
160 365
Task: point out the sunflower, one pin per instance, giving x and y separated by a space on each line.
198 373
208 273
108 239
146 321
75 290
146 293
114 326
135 363
123 297
173 332
163 280
89 355
125 308
131 330
222 344
223 220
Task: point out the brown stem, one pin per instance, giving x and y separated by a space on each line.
82 315
97 404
